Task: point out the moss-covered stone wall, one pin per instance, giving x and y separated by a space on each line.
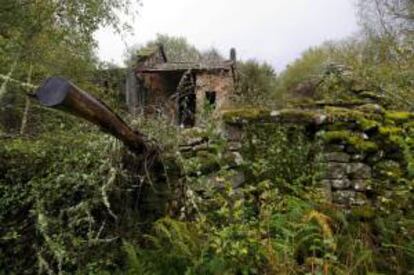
366 156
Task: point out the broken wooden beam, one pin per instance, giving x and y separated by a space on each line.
61 94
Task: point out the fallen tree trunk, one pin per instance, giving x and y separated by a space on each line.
61 94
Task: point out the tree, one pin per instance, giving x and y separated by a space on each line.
389 24
44 33
47 38
256 83
212 55
393 18
176 48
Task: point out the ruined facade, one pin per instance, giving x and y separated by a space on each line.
179 90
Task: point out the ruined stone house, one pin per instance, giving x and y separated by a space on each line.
179 90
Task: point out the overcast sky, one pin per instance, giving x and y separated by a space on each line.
276 31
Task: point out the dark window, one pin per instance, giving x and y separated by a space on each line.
211 98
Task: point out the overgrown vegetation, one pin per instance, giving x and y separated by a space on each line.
73 201
378 62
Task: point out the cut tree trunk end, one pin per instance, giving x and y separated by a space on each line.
61 94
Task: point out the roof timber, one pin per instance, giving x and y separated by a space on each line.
185 66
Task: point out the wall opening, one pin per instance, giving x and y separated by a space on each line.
211 98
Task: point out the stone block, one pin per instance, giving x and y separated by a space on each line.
347 197
343 197
359 171
234 133
360 199
234 146
361 185
326 190
334 148
335 171
238 179
336 157
338 184
358 157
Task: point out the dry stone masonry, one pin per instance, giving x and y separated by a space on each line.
366 151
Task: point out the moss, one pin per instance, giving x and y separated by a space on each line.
365 120
285 115
365 146
367 124
334 136
389 130
340 113
247 114
388 169
309 103
194 133
299 116
371 108
409 125
350 138
399 116
207 162
371 95
365 212
301 102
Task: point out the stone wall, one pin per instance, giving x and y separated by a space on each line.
220 82
366 150
347 178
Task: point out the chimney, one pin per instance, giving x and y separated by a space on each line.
233 55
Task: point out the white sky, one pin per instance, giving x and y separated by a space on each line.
276 31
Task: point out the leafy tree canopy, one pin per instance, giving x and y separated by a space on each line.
55 37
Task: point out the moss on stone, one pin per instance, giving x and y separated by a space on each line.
194 133
364 120
364 212
245 114
389 130
388 169
350 138
367 124
371 108
207 162
399 116
299 116
371 95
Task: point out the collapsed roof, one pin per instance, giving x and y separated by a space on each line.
179 66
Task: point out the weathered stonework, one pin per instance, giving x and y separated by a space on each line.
222 83
336 157
363 148
180 90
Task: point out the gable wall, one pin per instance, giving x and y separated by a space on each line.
222 83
